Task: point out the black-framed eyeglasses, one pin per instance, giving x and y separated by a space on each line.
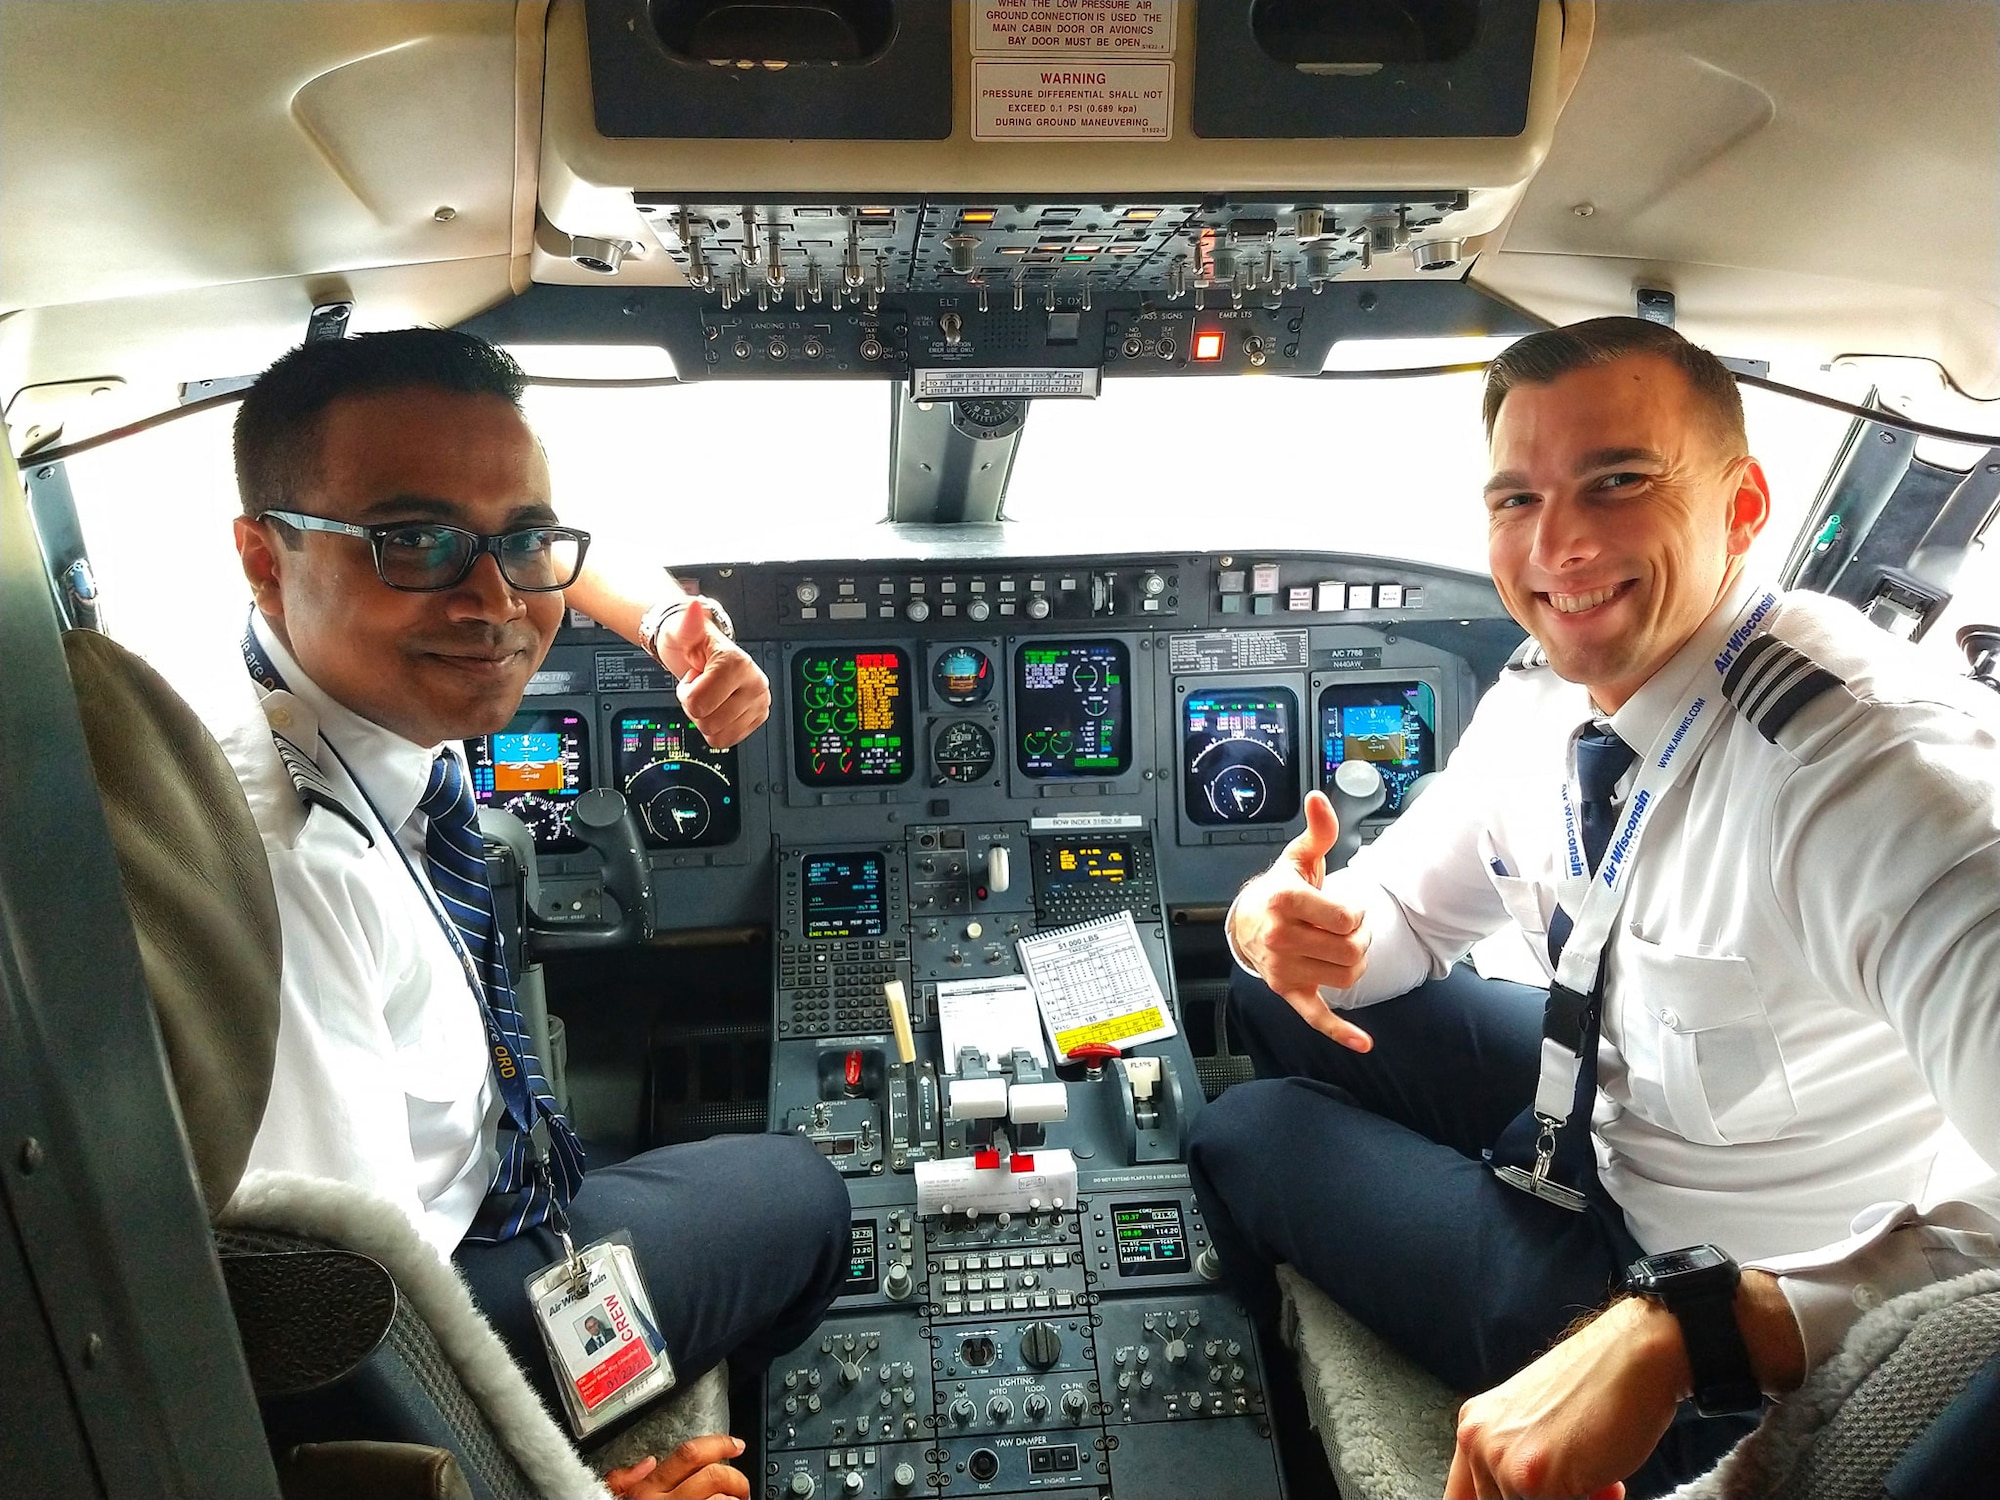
422 557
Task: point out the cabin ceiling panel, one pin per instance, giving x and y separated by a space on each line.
1858 142
149 146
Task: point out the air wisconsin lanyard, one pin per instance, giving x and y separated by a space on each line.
1672 754
265 672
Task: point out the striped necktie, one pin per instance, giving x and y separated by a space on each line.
1601 759
522 1195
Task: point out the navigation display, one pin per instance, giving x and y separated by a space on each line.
1240 755
1393 724
844 896
1071 709
851 717
1152 1240
535 769
685 793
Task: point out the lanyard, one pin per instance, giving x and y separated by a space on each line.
1671 755
265 672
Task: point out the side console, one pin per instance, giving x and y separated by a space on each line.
1029 1307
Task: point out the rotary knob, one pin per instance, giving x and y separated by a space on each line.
1036 1406
999 1409
1041 1345
896 1285
1074 1403
904 1477
1152 585
851 1485
806 592
850 1373
1038 607
802 1485
978 609
961 1411
917 610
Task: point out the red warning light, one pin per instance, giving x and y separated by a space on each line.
1207 346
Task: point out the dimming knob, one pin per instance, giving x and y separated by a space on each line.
961 1411
1036 1406
1041 1345
1074 1402
999 1409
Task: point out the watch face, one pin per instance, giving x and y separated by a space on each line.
1684 1262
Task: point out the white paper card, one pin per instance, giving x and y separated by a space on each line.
1094 984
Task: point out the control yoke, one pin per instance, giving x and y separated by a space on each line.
603 819
1357 791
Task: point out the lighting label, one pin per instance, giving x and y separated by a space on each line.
1065 100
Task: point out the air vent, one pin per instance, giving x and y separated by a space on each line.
774 33
1320 36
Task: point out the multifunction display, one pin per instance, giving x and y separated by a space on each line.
535 769
686 794
1152 1240
1071 708
1392 724
1240 755
864 1265
845 896
1092 866
851 717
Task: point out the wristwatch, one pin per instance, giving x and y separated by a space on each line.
660 616
1698 1286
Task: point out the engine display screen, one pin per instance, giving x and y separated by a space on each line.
1152 1240
1097 865
1392 724
851 717
844 896
1240 755
1071 706
685 793
535 769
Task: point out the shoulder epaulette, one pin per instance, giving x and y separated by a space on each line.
1771 681
313 787
1528 656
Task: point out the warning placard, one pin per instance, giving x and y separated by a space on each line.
1106 28
1072 101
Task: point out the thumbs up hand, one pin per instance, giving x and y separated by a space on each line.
722 689
1296 937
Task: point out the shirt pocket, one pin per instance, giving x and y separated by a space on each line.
1530 904
1720 1069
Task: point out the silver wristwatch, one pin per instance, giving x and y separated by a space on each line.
660 616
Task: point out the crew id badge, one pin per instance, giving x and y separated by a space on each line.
597 1322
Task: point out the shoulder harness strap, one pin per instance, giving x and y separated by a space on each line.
1771 681
313 787
1528 656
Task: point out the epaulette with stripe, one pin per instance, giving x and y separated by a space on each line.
1528 656
1771 681
313 787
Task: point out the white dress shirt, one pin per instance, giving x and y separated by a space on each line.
1801 1027
382 1076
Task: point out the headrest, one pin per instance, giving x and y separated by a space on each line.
199 887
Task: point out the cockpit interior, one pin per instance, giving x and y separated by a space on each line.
997 750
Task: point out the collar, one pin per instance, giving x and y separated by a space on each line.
1647 711
391 771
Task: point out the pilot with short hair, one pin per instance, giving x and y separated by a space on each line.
1753 841
407 568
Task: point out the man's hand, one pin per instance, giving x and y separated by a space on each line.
722 689
1580 1418
696 1470
1296 937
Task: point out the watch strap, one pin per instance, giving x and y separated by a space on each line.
1718 1359
660 616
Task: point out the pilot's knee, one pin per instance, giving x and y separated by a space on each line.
814 1189
1242 1131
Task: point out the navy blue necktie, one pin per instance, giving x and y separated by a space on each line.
522 1193
1601 759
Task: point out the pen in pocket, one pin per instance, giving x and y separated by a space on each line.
1498 868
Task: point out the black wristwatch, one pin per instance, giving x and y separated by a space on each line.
1698 1286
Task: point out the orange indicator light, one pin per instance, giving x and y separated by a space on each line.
1208 346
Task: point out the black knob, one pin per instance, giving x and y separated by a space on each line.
1041 1345
961 1411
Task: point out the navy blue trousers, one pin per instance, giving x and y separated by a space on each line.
742 1239
1363 1172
